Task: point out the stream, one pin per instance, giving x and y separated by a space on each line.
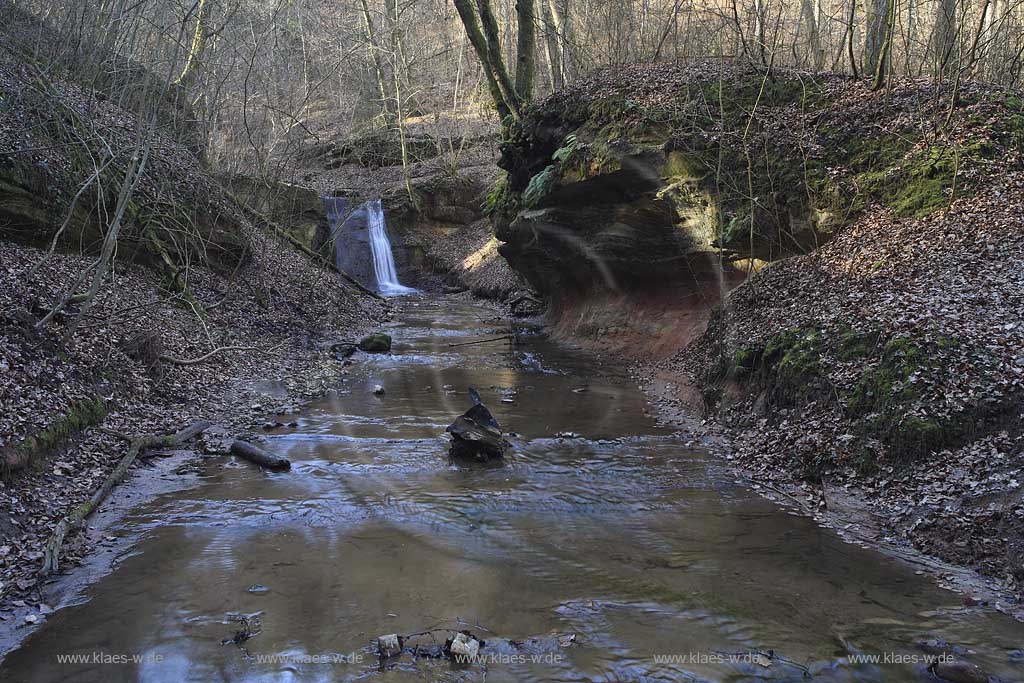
615 553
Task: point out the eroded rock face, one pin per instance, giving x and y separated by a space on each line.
605 192
664 177
609 227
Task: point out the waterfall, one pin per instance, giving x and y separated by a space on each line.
361 245
383 258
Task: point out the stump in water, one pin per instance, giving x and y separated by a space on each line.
476 434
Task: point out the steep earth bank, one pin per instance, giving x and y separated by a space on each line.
199 302
875 341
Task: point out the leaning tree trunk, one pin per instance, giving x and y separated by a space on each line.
492 36
476 37
195 51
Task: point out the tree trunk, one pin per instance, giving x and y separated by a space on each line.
947 35
563 24
51 556
476 38
195 51
760 29
810 12
885 53
879 17
397 50
553 43
378 65
493 39
526 48
850 38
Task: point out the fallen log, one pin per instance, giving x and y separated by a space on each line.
264 459
51 555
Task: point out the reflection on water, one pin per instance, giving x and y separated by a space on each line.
644 549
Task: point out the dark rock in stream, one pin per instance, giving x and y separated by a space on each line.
476 434
343 350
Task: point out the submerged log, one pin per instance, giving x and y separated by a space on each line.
264 459
476 434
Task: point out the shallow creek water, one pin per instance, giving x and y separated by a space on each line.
647 551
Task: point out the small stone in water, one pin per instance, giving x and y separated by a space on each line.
389 645
464 646
378 390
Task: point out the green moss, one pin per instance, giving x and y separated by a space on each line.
500 199
80 416
854 345
788 365
375 343
745 361
887 393
919 435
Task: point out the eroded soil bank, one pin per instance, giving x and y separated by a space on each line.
874 345
604 547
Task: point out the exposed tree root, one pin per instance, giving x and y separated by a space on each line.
74 520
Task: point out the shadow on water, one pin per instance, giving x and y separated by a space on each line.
646 550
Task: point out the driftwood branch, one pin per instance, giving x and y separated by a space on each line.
211 354
482 341
51 556
259 456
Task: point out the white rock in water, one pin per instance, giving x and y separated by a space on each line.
378 390
465 647
389 645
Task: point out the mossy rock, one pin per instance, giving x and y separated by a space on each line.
375 343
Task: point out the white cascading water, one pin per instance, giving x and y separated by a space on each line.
383 258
